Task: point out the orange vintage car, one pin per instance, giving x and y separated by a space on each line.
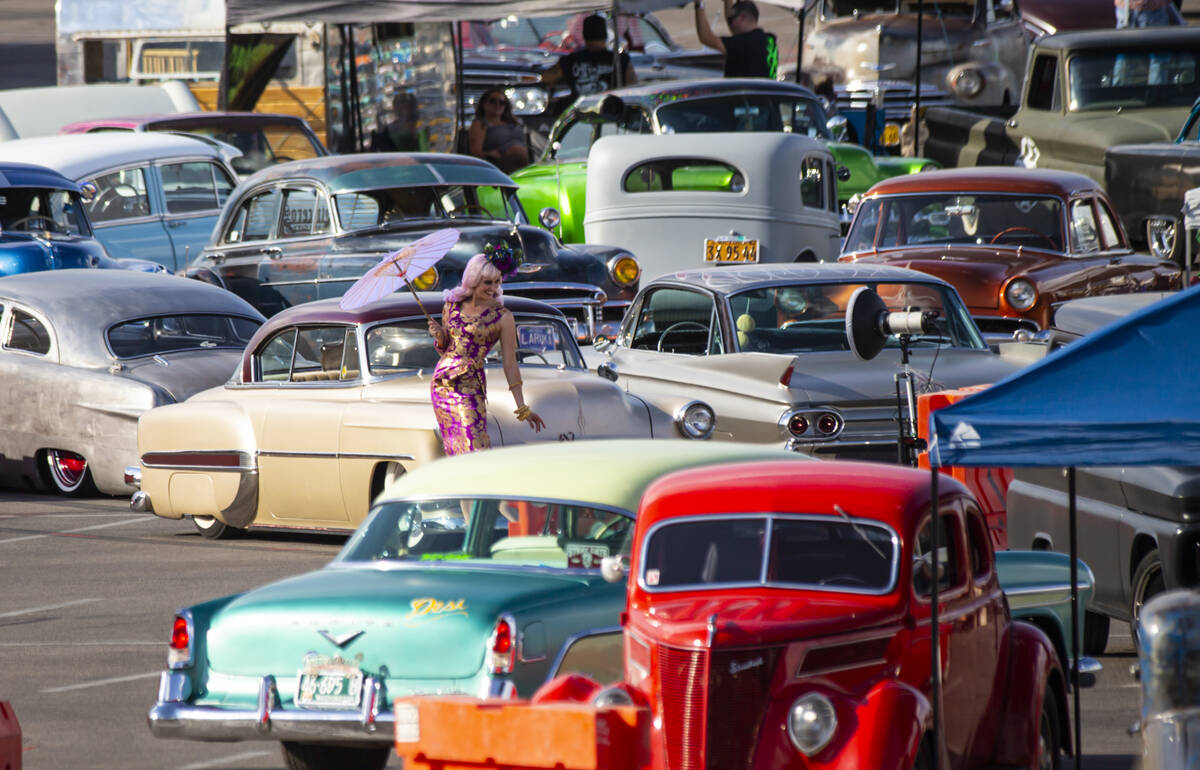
1015 242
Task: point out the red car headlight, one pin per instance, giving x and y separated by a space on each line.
1020 294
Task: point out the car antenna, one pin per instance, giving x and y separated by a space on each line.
849 520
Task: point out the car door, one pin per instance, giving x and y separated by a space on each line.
298 263
127 215
246 242
1137 272
193 193
1097 263
298 447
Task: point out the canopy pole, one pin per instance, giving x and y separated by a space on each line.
800 40
460 105
618 74
1071 520
916 115
935 630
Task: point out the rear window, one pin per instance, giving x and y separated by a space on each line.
811 551
684 174
173 333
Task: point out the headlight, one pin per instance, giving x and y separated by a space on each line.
811 723
967 83
624 269
1020 294
528 100
695 420
426 280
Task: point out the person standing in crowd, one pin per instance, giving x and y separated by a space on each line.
749 52
590 70
496 135
629 32
473 319
1142 13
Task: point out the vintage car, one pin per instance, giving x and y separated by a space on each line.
1147 183
306 230
330 404
973 49
148 196
84 353
685 202
263 138
44 225
1014 242
438 591
766 346
1080 317
778 616
558 180
1167 640
1050 17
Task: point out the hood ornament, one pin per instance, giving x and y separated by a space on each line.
341 640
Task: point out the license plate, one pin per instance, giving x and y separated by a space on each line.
327 683
730 251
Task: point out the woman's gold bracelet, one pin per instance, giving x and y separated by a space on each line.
523 413
516 384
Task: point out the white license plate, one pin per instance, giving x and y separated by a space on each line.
730 251
328 683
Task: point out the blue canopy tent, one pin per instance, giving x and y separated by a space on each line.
1123 395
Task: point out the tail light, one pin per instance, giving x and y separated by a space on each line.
797 425
828 424
179 653
502 652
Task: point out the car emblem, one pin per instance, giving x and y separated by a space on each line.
341 640
525 267
736 667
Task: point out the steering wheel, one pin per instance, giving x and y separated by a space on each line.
526 352
678 325
608 526
53 226
842 579
1022 229
474 207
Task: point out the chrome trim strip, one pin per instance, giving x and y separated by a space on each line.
332 455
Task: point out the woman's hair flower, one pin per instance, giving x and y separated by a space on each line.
503 257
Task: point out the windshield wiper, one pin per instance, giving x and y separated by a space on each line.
866 538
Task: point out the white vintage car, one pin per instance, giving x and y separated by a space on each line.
687 201
329 405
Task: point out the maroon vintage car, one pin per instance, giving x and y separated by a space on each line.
1015 242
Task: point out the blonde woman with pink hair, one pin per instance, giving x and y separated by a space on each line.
473 318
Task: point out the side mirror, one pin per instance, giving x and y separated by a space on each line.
607 370
838 126
843 173
549 218
614 568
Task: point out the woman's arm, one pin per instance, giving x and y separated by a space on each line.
441 337
476 134
512 372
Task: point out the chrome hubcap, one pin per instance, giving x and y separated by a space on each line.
1160 235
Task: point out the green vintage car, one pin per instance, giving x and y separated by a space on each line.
558 179
476 574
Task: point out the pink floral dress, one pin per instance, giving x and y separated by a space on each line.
459 389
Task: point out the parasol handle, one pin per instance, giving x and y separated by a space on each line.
418 299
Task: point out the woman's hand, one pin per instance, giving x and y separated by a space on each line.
535 422
435 329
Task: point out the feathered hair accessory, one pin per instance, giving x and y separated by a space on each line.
503 257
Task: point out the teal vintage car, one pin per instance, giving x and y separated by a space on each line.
477 574
558 180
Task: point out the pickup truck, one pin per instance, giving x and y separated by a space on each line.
1083 92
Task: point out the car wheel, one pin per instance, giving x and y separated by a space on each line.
1164 239
1049 746
311 756
69 473
213 529
1095 633
1147 582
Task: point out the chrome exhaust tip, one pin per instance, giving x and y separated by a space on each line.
140 502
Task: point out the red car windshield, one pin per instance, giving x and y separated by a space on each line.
889 221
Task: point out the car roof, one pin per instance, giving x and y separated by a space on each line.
726 280
80 155
1119 39
29 175
610 473
657 90
1031 181
371 171
196 118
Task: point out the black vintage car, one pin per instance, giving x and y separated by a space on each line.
307 229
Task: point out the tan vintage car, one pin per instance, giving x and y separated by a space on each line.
329 405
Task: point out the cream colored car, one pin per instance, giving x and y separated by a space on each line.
329 405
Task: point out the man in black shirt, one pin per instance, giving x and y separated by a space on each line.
590 69
749 52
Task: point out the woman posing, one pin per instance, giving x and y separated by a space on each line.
496 135
473 318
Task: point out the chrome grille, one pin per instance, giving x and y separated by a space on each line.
739 686
897 97
682 675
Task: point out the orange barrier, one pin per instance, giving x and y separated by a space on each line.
10 738
463 733
989 485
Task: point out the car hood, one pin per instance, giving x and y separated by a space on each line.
1132 125
764 616
976 272
181 375
24 253
418 622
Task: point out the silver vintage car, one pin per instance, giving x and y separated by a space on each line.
766 346
83 353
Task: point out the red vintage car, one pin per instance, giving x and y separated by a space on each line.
1015 242
779 617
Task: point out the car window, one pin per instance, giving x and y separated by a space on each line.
275 357
191 187
1108 226
575 141
1085 239
979 543
172 333
481 202
356 210
950 564
255 219
1001 11
53 213
1125 77
510 531
321 355
743 112
116 196
27 333
290 143
305 212
672 321
986 219
1043 84
684 175
812 183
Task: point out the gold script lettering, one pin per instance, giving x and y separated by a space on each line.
428 607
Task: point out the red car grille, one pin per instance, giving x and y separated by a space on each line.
733 684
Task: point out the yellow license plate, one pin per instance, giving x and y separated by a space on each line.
730 251
891 135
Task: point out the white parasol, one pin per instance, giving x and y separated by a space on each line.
399 268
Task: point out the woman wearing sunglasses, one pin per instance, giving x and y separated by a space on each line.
496 135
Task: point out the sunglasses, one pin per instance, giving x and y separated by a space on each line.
496 100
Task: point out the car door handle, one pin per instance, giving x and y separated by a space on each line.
217 257
274 252
175 223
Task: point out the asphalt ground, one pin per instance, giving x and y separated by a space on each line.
88 591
